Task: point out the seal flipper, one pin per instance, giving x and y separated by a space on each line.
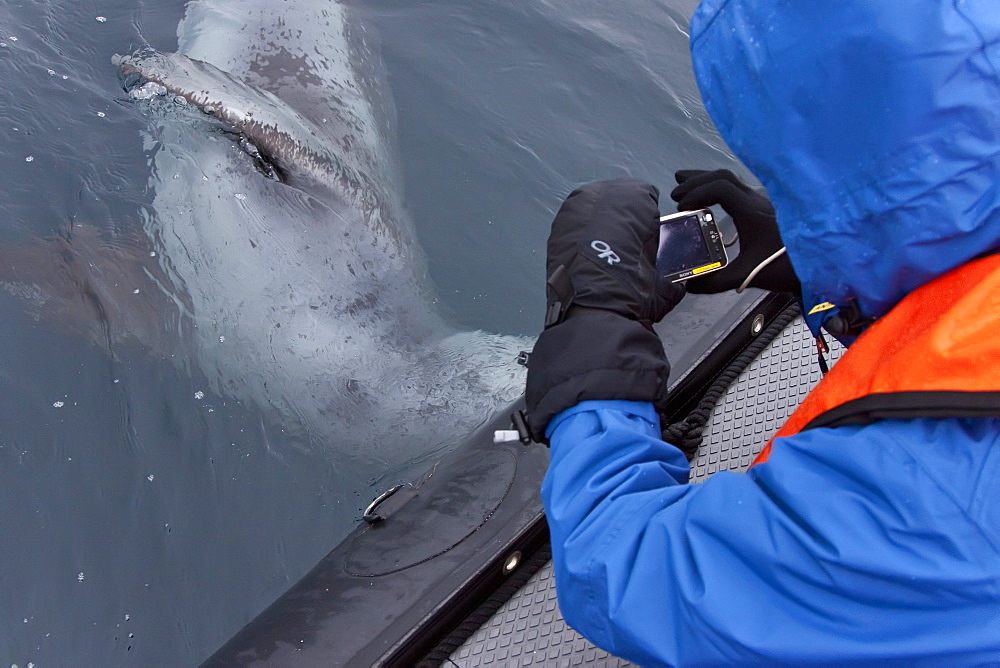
107 291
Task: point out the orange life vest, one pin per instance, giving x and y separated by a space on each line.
936 354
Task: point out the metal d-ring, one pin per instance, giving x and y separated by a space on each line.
370 515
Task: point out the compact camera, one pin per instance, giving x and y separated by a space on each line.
690 245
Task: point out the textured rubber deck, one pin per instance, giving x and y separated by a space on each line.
528 630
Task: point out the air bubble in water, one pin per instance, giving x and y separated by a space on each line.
29 158
101 19
146 91
199 395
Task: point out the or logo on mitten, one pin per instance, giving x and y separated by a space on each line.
604 251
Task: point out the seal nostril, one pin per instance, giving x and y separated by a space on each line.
131 80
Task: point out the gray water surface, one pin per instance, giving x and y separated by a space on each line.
144 518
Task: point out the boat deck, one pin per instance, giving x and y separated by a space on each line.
529 630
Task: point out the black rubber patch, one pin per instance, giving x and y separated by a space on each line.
446 507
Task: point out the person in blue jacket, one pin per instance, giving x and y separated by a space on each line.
875 128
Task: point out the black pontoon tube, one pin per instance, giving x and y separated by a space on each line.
402 587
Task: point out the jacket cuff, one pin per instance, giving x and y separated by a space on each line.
593 355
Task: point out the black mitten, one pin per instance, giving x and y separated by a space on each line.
605 238
755 223
603 297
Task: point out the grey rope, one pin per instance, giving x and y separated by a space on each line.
687 434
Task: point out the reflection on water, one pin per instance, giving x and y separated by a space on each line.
150 504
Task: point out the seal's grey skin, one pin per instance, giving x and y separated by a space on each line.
304 285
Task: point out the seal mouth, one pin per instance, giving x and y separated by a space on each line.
258 157
139 85
283 145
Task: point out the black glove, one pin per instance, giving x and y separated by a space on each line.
755 223
603 297
605 236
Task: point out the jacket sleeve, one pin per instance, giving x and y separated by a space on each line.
814 557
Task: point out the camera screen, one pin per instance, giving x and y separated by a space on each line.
682 246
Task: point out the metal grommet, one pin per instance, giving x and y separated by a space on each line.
757 326
512 562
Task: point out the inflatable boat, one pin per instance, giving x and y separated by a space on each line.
454 569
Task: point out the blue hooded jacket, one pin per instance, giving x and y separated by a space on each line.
875 127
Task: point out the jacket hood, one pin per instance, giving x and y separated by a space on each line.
874 126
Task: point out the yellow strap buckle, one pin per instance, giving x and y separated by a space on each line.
819 308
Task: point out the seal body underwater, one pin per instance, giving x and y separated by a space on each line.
281 241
